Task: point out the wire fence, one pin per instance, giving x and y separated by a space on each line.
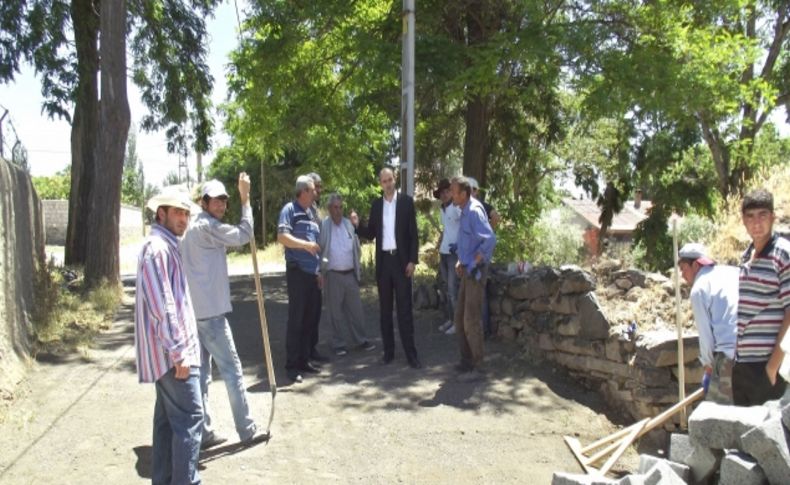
11 147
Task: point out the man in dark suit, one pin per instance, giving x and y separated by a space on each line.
393 224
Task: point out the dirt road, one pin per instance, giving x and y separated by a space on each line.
85 419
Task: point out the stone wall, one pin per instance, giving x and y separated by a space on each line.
56 219
21 256
555 315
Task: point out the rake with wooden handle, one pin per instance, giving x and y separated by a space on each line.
267 349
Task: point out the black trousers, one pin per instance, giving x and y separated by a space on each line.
751 387
393 280
304 313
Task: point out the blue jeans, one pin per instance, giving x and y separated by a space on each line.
178 420
216 340
450 277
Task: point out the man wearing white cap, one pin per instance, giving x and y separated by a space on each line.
714 301
167 350
204 251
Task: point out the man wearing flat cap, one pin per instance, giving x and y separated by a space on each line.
204 251
166 342
714 301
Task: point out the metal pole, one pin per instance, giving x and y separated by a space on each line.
679 324
407 100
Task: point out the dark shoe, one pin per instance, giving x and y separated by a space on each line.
415 363
368 347
212 440
294 375
310 368
386 359
318 357
254 438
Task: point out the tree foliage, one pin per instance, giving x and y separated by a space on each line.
53 187
168 63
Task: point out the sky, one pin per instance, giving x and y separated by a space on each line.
48 141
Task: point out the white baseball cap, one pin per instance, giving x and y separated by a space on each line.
214 188
473 183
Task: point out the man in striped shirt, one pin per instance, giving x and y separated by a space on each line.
763 305
166 343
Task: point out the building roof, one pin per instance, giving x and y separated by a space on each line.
622 223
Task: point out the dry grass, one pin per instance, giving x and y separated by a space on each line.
68 318
730 238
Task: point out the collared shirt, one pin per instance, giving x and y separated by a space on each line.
475 235
302 224
764 298
451 221
388 223
164 323
714 301
341 255
203 250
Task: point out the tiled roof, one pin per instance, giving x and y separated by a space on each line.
623 222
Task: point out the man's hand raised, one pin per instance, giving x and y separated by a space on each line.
244 188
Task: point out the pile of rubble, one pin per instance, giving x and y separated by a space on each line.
726 445
630 295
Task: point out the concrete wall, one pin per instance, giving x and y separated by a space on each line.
21 255
56 219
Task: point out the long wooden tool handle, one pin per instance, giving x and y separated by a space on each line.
267 349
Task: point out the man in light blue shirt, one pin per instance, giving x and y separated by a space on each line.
203 250
448 248
714 301
476 242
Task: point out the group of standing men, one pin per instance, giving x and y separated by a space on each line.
743 313
183 296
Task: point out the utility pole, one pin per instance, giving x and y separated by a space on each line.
407 98
199 167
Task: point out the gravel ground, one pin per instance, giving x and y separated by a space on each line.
85 419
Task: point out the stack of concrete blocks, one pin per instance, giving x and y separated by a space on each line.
726 445
554 314
752 442
652 471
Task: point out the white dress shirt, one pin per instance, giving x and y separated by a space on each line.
388 224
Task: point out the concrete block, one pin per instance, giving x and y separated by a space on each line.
702 461
720 427
680 447
663 474
740 469
647 462
767 443
561 478
659 348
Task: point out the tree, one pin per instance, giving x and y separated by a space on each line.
168 63
719 66
326 92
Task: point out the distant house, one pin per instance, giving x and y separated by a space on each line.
56 219
587 215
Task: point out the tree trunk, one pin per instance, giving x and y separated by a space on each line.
83 128
482 22
103 239
476 148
